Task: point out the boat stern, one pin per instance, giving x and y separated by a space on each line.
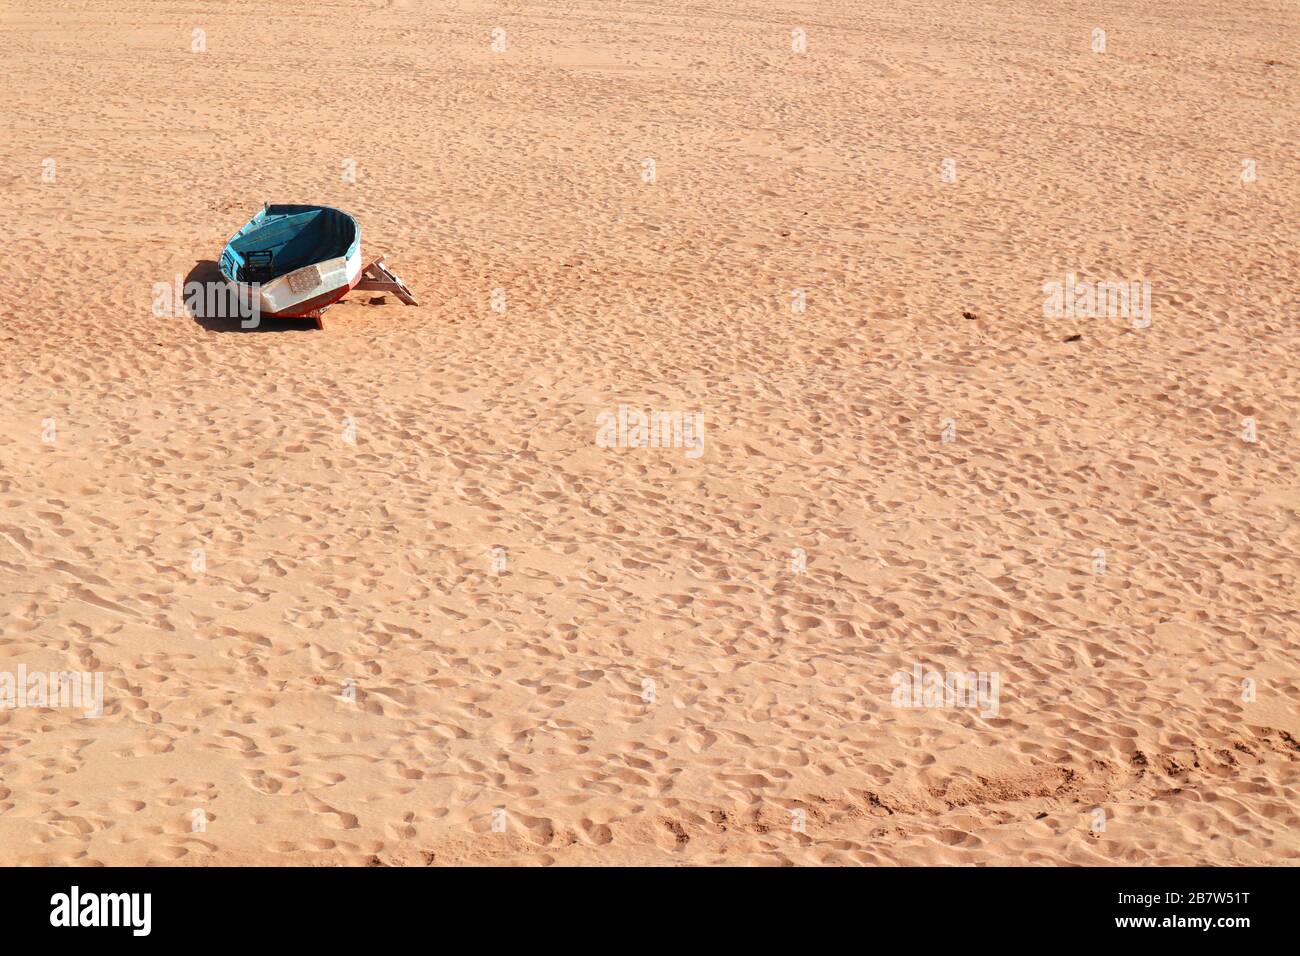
311 288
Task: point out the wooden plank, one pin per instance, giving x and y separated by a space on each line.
377 278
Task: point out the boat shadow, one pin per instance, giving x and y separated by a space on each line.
213 315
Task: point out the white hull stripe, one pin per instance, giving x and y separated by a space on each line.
282 294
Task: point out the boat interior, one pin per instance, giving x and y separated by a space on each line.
282 238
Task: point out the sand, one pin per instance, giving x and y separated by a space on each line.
384 594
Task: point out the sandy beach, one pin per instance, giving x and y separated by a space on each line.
837 433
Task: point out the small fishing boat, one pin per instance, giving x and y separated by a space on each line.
304 258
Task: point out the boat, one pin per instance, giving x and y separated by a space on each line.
301 258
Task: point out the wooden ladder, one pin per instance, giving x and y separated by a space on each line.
376 278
